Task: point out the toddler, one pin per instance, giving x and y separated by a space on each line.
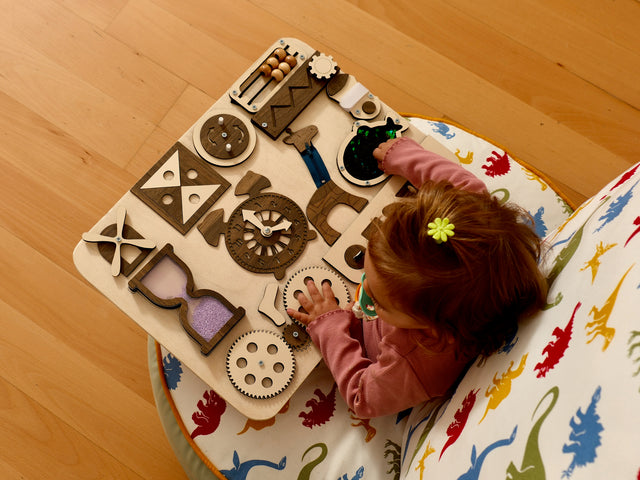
448 272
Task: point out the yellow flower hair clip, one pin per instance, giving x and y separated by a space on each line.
440 229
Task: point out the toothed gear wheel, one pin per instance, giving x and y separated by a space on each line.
296 337
323 66
260 364
297 283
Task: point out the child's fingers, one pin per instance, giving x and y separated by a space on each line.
304 301
299 316
327 291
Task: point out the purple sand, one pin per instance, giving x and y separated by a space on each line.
209 316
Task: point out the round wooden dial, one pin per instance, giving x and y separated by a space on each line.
267 233
224 136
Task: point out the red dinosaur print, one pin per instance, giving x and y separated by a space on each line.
498 165
635 232
454 430
625 176
555 348
321 409
208 418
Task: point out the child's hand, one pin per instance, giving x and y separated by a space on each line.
380 152
320 302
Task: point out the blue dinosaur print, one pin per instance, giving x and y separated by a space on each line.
359 474
172 371
585 436
476 461
509 343
538 224
616 207
442 129
241 470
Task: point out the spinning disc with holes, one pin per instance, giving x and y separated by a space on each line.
297 283
223 138
260 364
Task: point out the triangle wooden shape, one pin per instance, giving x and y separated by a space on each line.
170 196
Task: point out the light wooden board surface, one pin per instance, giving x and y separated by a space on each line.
93 92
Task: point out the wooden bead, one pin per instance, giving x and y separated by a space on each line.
266 70
291 60
273 62
280 53
284 67
277 74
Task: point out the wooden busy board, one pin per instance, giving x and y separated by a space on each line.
258 194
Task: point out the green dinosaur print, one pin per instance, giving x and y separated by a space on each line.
566 254
305 473
532 467
433 416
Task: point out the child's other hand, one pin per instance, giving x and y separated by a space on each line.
382 149
316 305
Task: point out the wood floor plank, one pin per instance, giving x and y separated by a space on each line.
569 43
615 20
99 12
248 30
519 71
33 441
96 58
177 46
81 395
72 104
74 312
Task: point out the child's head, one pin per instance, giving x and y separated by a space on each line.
472 287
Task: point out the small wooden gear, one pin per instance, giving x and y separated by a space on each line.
297 283
260 364
223 138
296 336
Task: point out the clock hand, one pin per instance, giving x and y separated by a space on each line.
250 216
283 225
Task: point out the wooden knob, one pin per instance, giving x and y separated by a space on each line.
291 60
265 70
277 75
273 62
280 53
284 67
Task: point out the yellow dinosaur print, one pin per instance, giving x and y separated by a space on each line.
428 451
550 240
502 387
601 317
466 160
532 176
594 263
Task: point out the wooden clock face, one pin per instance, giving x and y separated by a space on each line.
266 233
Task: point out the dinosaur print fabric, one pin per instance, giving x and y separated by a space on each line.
561 400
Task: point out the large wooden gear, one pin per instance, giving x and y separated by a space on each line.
297 283
260 364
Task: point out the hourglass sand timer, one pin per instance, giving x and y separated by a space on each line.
167 282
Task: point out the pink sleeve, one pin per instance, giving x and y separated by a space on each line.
409 160
371 389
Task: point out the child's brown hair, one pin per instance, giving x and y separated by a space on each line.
474 286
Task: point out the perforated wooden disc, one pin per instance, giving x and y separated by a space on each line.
260 364
297 283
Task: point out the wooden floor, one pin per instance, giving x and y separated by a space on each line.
92 92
